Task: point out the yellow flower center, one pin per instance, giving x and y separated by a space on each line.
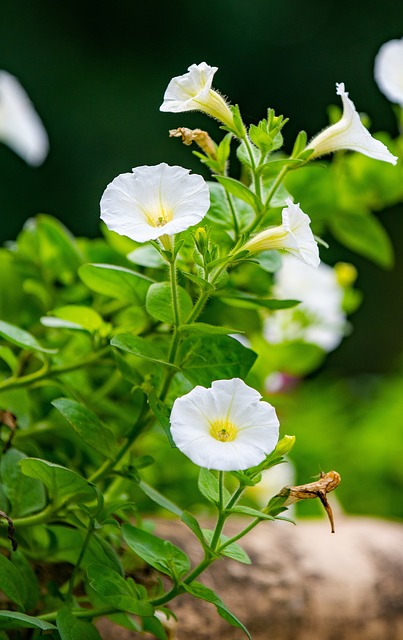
159 216
223 430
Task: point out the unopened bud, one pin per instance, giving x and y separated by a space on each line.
201 239
285 445
346 274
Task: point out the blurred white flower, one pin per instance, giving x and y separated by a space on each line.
273 480
349 133
226 427
294 236
21 129
319 318
389 70
154 201
192 92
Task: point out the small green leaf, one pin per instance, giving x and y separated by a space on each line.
207 329
209 487
154 626
61 483
191 522
162 413
72 628
88 426
160 306
159 499
25 495
239 190
16 620
198 590
21 338
248 511
116 282
140 347
11 582
160 554
233 550
75 317
243 299
116 591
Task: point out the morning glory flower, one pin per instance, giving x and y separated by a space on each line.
226 427
294 236
389 70
192 92
319 318
349 133
154 201
21 129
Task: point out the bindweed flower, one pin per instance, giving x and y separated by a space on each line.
21 129
294 236
154 201
389 70
349 133
226 427
193 92
319 318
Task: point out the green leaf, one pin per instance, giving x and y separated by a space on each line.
116 591
75 317
248 511
140 347
198 590
146 256
191 522
247 300
61 483
31 583
208 358
159 499
25 495
88 426
154 626
21 338
72 628
159 303
233 550
16 620
8 357
207 329
162 413
239 190
209 487
116 282
160 554
363 233
64 544
11 582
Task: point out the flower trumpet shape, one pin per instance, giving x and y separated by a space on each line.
389 70
21 129
294 236
154 201
226 427
193 92
349 133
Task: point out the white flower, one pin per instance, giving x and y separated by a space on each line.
193 92
319 318
389 70
349 133
226 427
20 126
294 235
154 201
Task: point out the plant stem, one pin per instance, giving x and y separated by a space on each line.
36 518
256 177
81 613
80 558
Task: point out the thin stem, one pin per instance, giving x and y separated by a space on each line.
50 372
80 558
276 185
81 613
36 518
233 213
256 177
239 535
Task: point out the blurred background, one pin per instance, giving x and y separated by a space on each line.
96 73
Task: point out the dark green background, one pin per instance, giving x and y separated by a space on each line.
97 73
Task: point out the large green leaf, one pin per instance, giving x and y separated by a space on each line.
362 233
88 426
116 591
71 628
16 620
160 554
159 499
198 590
209 486
116 282
159 302
26 495
140 347
241 191
11 582
215 357
61 483
75 317
21 338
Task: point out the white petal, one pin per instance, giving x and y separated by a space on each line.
154 201
349 133
301 241
182 91
389 70
20 126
